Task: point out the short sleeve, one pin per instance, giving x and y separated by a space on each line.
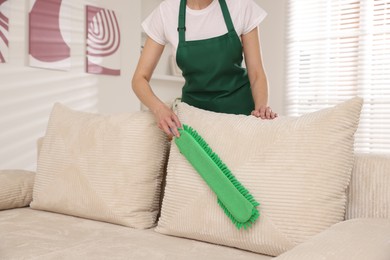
154 27
252 15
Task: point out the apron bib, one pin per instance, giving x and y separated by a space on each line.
214 77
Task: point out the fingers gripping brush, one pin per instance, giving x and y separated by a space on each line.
235 200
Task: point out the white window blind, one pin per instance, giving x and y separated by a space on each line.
337 49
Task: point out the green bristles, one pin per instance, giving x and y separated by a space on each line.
235 200
239 225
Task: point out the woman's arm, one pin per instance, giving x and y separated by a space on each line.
257 77
165 117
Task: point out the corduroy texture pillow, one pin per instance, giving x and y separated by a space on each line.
369 190
16 188
297 168
357 239
101 167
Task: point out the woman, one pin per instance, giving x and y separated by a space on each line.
210 37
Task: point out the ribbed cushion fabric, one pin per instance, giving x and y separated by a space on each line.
357 239
16 187
28 234
297 168
369 190
101 167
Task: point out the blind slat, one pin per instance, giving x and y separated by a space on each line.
337 49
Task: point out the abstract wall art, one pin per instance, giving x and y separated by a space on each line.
103 41
49 34
4 24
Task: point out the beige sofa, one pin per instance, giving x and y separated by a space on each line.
27 233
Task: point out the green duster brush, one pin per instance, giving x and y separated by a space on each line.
236 201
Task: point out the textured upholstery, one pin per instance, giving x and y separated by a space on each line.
102 167
369 190
33 234
357 239
16 188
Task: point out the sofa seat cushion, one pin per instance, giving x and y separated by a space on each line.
26 233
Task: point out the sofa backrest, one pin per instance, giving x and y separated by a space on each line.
369 189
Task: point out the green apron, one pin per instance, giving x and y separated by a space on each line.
214 77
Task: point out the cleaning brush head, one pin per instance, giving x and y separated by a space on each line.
235 200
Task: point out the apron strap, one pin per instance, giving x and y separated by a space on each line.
182 18
226 15
182 21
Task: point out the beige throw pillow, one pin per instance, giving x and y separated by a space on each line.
101 167
16 187
297 168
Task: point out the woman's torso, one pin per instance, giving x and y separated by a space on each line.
201 24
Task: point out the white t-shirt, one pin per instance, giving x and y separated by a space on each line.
161 25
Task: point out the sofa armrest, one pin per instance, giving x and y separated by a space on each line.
357 239
16 187
369 190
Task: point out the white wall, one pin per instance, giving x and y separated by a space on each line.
115 93
272 37
27 94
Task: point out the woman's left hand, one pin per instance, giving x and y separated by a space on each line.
264 112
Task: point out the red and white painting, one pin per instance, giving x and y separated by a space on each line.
49 34
103 41
4 24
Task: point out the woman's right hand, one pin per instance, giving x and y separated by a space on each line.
167 120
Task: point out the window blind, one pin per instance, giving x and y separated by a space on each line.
337 49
